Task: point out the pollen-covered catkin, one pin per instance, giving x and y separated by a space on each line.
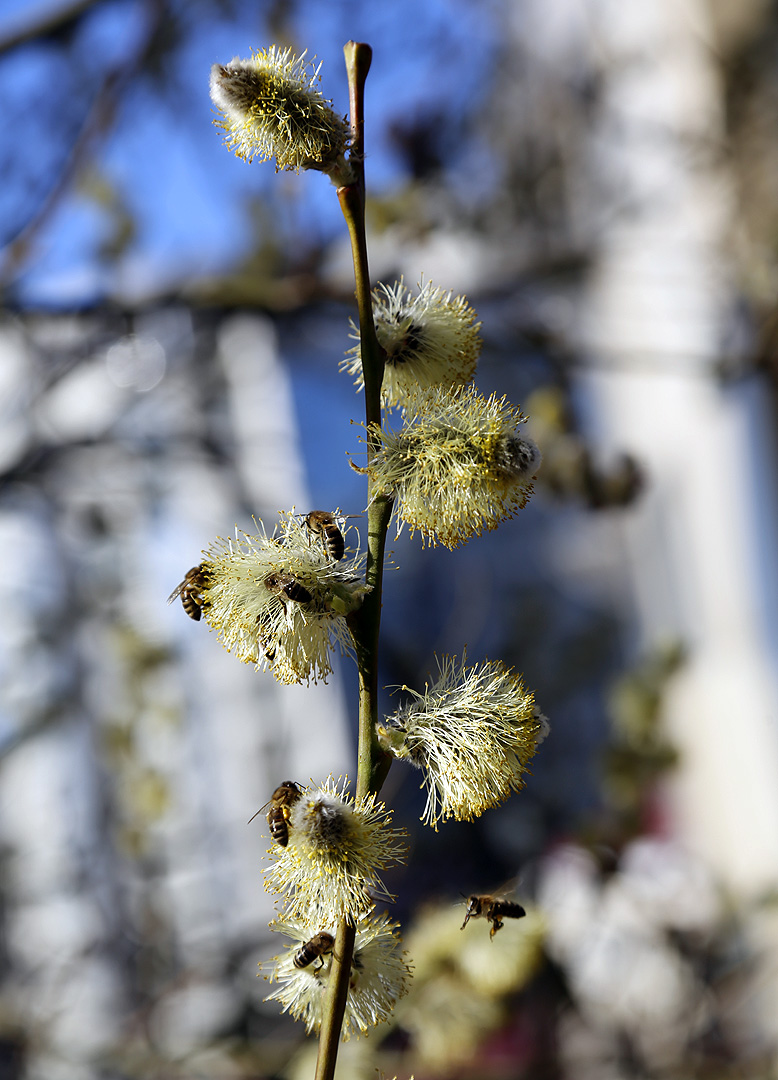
336 851
429 338
280 601
459 464
379 974
472 733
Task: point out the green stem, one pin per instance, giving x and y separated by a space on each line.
335 1006
372 762
352 203
364 624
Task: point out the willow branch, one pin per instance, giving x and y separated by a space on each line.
335 1006
364 624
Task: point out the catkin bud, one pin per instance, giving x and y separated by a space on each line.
271 107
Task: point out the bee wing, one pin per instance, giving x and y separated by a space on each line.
506 891
192 578
259 811
176 592
342 520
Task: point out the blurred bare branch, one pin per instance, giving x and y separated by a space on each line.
45 24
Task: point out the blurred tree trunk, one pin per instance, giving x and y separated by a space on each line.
702 543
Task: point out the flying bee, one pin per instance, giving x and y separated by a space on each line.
323 524
190 592
281 802
283 584
314 949
494 909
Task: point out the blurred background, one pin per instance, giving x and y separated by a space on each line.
601 180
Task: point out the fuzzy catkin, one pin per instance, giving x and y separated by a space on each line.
270 107
459 464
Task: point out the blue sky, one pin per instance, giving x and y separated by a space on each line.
164 159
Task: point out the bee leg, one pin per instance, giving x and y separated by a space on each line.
496 925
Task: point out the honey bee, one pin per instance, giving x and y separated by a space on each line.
517 455
190 592
323 524
283 584
314 949
281 802
494 909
